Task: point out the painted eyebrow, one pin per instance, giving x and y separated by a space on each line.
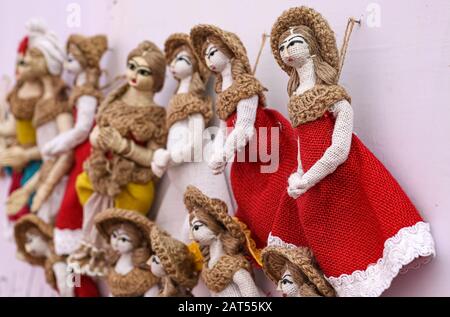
211 50
287 275
288 40
197 222
139 66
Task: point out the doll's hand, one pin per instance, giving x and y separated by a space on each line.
42 194
111 139
238 140
218 163
17 200
161 160
94 139
15 157
62 282
298 185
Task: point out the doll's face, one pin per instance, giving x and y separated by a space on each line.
156 266
36 245
139 74
181 66
33 65
215 59
71 64
294 51
287 285
121 241
201 233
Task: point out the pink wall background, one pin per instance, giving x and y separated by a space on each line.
397 71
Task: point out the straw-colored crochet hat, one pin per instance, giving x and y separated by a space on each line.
200 33
92 48
111 217
21 228
274 263
194 199
181 39
317 23
177 260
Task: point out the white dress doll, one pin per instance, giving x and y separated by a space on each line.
188 114
226 270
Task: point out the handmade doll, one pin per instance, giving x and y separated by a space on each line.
358 222
295 272
34 240
188 114
130 128
22 159
83 58
257 133
173 263
128 235
43 65
226 271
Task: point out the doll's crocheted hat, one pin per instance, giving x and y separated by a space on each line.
22 226
112 217
275 259
194 199
92 48
177 260
317 23
200 34
177 40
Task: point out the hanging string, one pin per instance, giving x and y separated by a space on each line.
261 49
348 33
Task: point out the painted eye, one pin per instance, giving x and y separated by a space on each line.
123 240
281 49
21 62
286 282
196 227
131 66
155 261
114 235
144 73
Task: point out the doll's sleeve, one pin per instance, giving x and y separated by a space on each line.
86 108
246 112
339 150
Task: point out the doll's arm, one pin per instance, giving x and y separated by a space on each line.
246 284
61 275
334 156
8 127
17 157
86 108
218 162
18 199
244 128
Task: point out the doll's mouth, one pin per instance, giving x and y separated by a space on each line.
133 82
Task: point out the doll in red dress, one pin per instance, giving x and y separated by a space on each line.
261 139
357 220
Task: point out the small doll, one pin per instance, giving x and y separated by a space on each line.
42 66
356 219
188 113
295 272
226 271
256 133
128 235
173 263
22 158
83 61
130 128
34 240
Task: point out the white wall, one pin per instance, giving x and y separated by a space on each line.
398 75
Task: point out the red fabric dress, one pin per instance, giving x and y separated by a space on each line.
69 219
262 200
350 214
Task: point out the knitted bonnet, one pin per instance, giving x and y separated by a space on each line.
92 48
274 263
21 228
316 22
178 262
194 199
46 42
178 40
200 34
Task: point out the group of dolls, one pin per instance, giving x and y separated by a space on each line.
84 168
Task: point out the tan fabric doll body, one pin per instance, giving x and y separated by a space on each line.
130 128
128 235
188 114
226 271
